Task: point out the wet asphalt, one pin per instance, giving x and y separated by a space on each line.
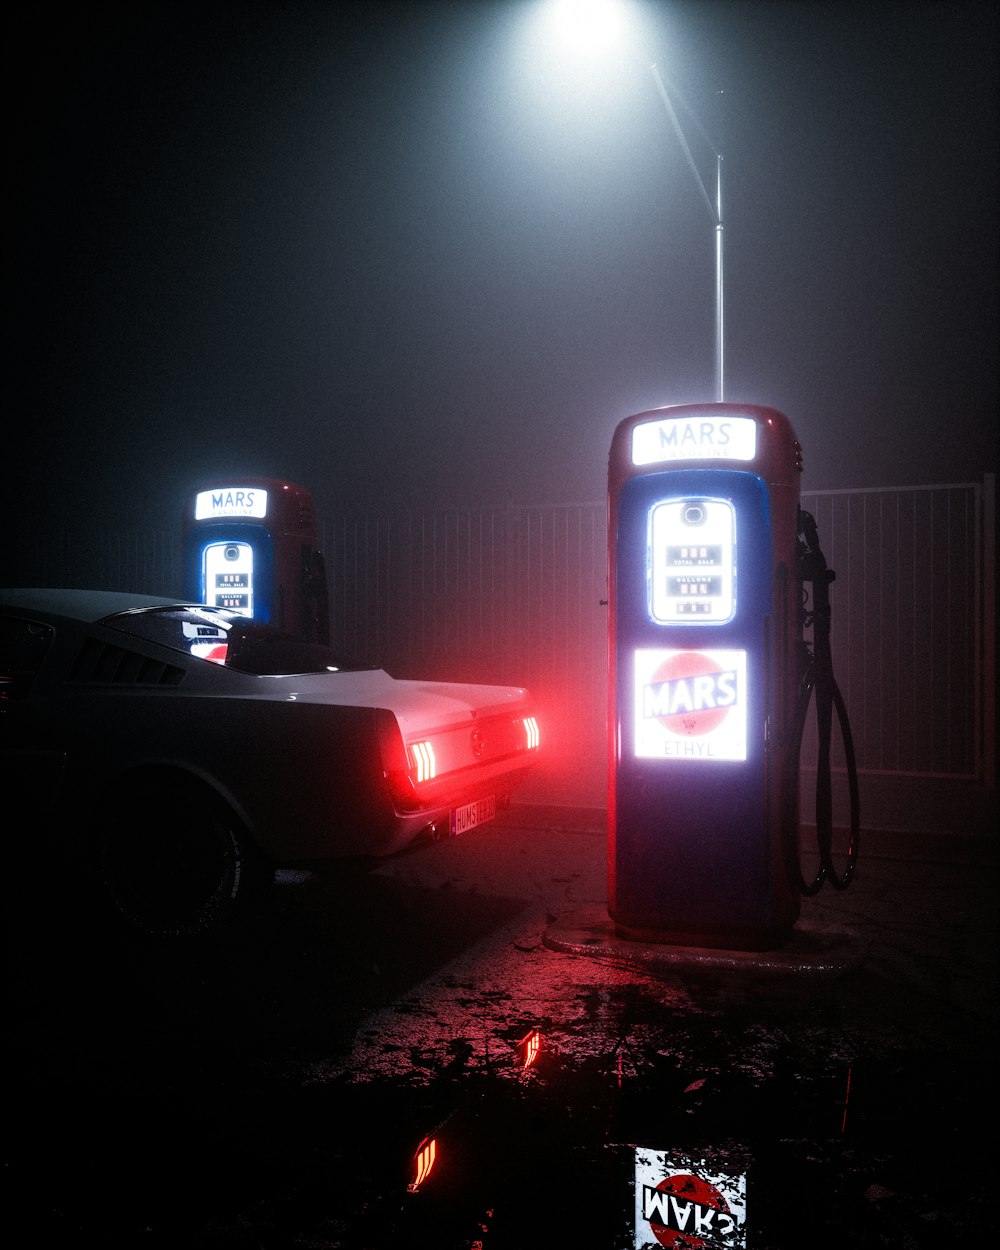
271 1089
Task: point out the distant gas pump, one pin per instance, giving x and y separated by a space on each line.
249 544
704 676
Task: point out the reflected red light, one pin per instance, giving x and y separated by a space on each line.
215 652
423 1161
847 1099
528 1048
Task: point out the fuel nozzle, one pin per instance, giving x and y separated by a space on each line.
812 562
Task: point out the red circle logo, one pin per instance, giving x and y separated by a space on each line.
692 678
689 1204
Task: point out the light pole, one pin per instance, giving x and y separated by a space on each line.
594 26
715 211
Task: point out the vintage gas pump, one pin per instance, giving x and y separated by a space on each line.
704 676
250 545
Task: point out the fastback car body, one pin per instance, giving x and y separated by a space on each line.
182 751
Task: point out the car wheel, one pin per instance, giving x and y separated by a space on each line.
175 861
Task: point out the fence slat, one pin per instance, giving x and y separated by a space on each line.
515 595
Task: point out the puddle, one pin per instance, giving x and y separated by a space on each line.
277 1094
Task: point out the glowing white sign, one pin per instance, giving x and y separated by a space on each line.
690 705
694 438
230 501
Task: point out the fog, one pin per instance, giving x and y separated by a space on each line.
421 255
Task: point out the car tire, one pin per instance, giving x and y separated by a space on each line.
175 862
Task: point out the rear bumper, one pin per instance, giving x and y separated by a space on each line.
439 799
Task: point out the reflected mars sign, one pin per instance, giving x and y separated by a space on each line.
682 1205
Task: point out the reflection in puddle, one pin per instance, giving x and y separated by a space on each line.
805 1139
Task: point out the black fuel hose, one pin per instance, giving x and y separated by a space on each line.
818 679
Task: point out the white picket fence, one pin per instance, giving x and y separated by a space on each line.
517 595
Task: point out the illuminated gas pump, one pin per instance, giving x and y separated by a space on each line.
704 676
250 545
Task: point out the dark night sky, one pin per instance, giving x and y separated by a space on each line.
417 255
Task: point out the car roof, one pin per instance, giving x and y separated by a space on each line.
82 605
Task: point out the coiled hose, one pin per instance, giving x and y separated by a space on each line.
818 679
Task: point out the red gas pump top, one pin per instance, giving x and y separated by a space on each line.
712 435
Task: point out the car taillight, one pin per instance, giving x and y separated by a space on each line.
422 754
396 762
405 766
531 732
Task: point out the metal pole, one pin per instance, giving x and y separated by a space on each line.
720 389
716 213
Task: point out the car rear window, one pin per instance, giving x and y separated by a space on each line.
221 636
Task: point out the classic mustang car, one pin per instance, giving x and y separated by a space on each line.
177 753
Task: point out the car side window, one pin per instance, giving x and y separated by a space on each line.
23 644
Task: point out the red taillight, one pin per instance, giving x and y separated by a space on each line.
530 732
424 762
396 761
423 1161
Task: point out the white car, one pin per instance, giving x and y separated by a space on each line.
178 753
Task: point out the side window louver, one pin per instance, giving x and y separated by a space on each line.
100 662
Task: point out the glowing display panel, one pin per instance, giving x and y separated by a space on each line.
694 438
228 576
230 501
691 561
690 705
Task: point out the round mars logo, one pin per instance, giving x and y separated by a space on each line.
690 1215
697 693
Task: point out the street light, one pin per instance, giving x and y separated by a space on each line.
715 211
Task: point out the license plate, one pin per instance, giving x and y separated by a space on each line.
465 818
